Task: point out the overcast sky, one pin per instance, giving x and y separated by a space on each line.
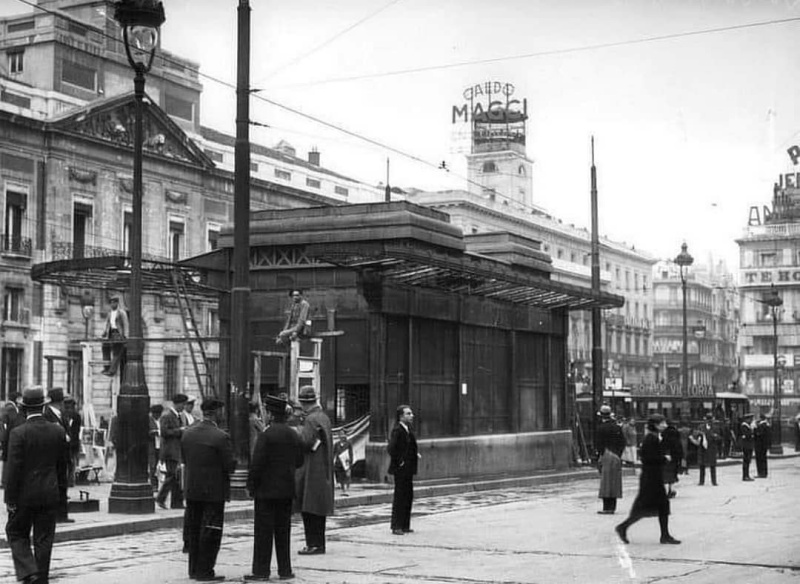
690 129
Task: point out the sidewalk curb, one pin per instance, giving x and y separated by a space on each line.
242 510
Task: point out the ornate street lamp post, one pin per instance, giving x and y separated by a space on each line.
775 302
684 260
131 491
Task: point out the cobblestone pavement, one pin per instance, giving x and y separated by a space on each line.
738 532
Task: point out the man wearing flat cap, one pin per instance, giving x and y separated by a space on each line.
208 461
171 432
35 476
270 482
746 440
315 477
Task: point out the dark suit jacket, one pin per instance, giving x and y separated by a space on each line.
272 467
36 468
171 433
73 427
208 456
746 435
403 451
13 419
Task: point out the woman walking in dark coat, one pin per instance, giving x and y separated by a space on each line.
652 499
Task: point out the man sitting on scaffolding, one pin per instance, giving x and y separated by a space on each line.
297 326
115 333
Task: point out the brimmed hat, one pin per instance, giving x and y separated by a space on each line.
605 411
274 404
180 398
307 394
190 399
211 404
56 394
748 415
34 397
69 400
709 416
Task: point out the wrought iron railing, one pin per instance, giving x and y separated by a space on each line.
66 250
16 244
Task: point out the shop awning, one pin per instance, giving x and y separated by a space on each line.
414 264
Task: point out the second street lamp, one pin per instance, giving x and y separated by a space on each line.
132 491
684 260
775 302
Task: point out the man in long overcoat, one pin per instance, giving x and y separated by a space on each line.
609 443
270 482
708 439
315 478
208 457
171 433
403 463
762 440
652 498
35 475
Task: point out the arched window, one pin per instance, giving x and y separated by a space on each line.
521 170
489 166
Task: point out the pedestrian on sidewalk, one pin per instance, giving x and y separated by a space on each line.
762 440
171 432
73 422
270 481
208 459
154 444
404 457
746 439
707 439
36 475
343 461
315 478
14 416
54 412
652 498
671 444
685 431
631 442
609 443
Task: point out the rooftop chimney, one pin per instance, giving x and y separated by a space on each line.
313 157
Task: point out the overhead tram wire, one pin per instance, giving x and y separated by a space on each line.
433 165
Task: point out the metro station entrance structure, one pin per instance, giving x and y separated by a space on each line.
469 330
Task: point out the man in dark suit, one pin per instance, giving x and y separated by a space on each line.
13 418
54 412
403 465
208 459
171 432
154 443
746 439
36 473
762 440
278 453
72 422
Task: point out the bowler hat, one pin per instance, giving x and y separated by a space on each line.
56 394
211 404
274 404
34 397
605 411
307 394
179 398
190 399
69 400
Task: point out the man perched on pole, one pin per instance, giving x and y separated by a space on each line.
297 325
115 333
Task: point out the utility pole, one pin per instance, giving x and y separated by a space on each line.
238 397
388 197
597 334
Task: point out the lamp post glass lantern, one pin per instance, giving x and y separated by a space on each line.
131 491
684 260
774 301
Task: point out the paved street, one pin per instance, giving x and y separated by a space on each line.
737 532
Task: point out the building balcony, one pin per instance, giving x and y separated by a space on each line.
16 246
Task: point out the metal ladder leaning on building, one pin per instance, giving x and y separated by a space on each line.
197 349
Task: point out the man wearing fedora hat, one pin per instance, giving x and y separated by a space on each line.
36 474
746 440
171 433
208 461
270 482
315 477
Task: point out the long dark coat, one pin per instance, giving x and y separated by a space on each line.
36 468
707 456
276 456
171 433
652 498
671 444
314 479
207 452
403 451
610 443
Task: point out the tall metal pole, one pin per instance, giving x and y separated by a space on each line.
775 302
597 334
131 491
685 372
240 294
